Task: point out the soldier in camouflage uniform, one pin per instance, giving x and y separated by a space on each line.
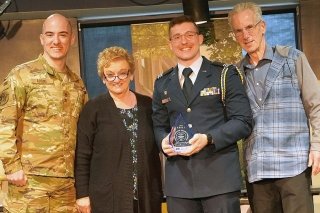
39 106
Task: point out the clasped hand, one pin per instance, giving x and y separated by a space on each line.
198 142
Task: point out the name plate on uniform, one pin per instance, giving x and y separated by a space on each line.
180 134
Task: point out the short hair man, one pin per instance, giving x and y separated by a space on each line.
40 105
206 176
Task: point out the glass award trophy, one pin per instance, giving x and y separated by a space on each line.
180 134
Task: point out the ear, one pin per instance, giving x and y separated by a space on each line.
201 38
170 45
263 27
104 81
103 78
41 39
73 38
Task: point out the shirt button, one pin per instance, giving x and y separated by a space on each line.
189 110
256 69
257 84
260 99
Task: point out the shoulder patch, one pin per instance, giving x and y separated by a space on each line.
160 75
165 73
4 98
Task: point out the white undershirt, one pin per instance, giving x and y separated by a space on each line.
195 68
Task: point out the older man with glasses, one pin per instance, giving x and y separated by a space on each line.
285 99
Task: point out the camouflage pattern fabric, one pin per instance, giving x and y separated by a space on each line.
39 109
42 195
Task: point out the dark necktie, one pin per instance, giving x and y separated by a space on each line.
187 85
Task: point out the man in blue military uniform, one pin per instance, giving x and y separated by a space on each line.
206 176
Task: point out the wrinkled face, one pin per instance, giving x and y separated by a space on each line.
117 77
56 38
249 32
185 42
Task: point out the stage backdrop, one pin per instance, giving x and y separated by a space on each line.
148 42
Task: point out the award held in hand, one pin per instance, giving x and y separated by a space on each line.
180 134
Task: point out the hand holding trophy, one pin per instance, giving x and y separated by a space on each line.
180 134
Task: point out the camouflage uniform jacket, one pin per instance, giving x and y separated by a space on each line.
39 110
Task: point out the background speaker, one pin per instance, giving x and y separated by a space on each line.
4 6
197 9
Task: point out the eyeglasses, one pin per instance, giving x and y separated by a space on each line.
189 35
249 29
121 76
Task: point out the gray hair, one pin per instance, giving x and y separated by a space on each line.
256 9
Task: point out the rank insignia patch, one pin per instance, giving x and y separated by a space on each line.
210 91
166 100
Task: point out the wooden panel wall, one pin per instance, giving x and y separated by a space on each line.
310 32
25 45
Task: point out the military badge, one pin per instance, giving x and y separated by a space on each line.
210 91
166 100
160 75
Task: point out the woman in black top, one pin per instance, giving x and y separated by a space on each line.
117 161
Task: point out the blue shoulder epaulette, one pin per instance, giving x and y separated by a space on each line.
165 73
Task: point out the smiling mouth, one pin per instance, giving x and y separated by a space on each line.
117 84
248 42
56 48
185 49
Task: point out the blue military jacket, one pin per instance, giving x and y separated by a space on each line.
215 169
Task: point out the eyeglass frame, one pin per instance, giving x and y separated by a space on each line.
177 37
117 76
249 29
